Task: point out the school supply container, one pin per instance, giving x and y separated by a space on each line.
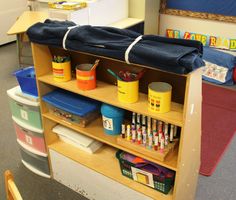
61 71
86 78
27 81
76 139
39 162
146 172
112 118
72 107
29 135
128 91
159 97
23 109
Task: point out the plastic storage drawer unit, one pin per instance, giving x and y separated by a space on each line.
24 109
71 107
29 135
38 162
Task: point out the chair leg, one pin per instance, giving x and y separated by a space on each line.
8 176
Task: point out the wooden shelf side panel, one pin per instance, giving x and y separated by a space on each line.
42 59
190 143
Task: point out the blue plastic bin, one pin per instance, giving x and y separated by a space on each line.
72 107
112 118
27 81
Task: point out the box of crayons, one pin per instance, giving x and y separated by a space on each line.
155 139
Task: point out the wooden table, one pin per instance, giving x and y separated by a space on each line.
19 28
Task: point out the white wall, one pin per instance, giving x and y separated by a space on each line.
209 27
9 11
147 10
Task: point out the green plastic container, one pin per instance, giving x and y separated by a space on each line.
23 109
162 184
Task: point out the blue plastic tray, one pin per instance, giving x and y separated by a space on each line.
72 103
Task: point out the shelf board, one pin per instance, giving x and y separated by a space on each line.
105 162
108 93
95 130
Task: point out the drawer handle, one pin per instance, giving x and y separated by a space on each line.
21 105
24 130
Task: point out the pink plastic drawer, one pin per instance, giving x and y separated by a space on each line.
30 136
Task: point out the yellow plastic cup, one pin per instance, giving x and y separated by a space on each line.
61 71
128 91
159 97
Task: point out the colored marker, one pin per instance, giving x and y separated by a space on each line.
139 137
133 120
149 122
160 126
150 139
128 133
154 124
144 134
162 145
143 120
138 122
171 133
156 144
133 135
166 134
123 130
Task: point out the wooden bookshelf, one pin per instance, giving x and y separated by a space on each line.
185 159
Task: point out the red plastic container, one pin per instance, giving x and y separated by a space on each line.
30 136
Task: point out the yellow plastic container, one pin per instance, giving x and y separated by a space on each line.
61 71
159 97
128 91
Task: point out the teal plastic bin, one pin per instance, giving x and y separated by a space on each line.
112 118
23 109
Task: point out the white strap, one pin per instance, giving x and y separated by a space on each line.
65 36
130 47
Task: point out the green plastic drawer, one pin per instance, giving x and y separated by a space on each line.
24 109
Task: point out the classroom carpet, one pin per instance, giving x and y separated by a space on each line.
218 125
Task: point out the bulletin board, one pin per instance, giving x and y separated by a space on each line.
220 10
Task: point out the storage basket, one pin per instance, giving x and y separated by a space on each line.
27 81
140 170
